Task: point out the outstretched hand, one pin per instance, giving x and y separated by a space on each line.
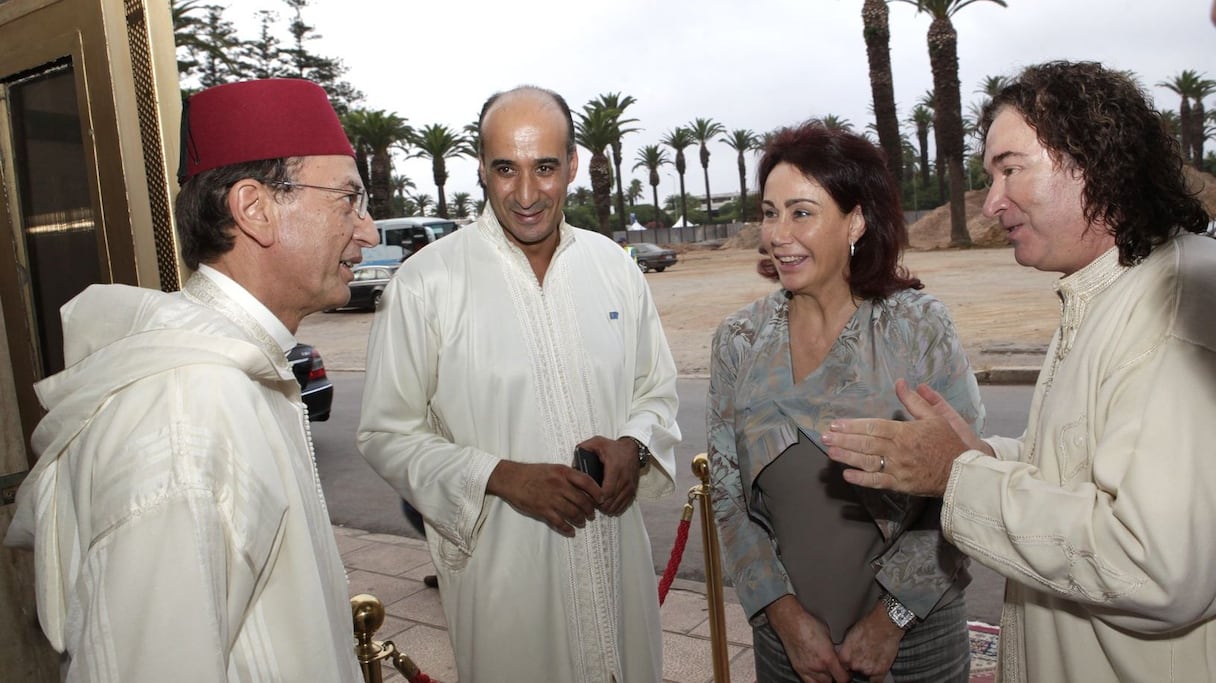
912 457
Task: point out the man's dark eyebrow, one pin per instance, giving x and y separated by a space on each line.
549 161
495 163
1005 155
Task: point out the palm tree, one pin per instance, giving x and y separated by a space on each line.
652 157
378 132
742 140
634 193
580 196
354 122
948 112
473 135
1184 85
908 150
400 184
594 130
1199 121
614 102
1172 123
461 201
680 139
877 32
702 130
834 122
1209 129
1192 88
423 201
929 102
440 143
922 118
990 87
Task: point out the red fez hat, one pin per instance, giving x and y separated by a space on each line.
256 120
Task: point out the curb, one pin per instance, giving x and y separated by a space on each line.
1010 375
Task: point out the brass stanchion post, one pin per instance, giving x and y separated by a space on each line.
713 571
368 614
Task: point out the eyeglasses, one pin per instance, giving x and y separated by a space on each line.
358 198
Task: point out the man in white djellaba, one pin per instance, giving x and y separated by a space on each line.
175 514
1099 516
495 353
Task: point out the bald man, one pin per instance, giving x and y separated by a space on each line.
496 352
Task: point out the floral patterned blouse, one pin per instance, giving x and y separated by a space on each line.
755 411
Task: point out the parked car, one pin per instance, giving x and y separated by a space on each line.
315 387
369 284
653 257
401 237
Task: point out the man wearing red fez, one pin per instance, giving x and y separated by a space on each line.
177 521
495 353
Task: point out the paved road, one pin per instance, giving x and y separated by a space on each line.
358 498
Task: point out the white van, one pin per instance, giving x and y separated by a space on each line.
401 237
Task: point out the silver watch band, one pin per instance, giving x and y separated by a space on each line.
643 452
900 616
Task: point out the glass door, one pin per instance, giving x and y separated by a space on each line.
56 246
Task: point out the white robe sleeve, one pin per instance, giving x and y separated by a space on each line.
652 414
1128 541
446 482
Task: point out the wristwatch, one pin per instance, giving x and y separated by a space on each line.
643 452
900 616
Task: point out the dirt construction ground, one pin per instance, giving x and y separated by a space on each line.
1005 313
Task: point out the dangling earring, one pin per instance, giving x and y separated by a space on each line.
852 248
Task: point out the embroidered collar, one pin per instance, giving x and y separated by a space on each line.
205 288
1079 289
489 227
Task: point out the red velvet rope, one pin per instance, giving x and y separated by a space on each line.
673 563
421 678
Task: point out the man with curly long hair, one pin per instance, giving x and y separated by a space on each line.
1100 515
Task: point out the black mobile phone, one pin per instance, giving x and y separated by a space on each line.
589 463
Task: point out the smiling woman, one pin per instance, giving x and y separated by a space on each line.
846 326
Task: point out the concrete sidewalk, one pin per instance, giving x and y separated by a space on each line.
391 568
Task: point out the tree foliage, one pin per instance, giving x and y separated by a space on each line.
652 157
877 33
948 111
742 140
595 128
210 51
616 105
440 143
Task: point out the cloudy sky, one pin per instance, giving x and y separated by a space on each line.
758 64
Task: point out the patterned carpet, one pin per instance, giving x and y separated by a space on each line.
984 639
